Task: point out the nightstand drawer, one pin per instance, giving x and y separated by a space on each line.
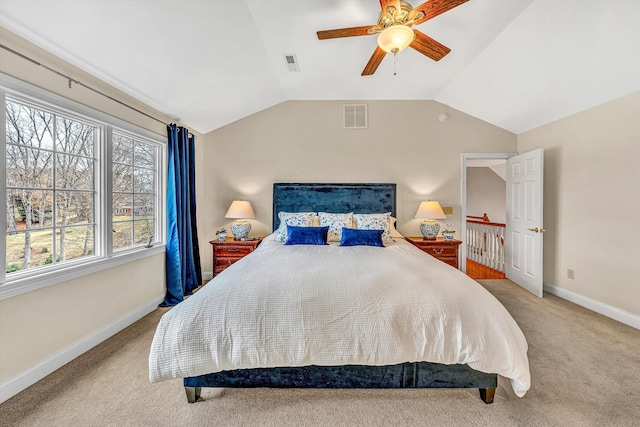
233 251
224 262
441 251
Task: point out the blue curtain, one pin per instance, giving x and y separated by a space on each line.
183 271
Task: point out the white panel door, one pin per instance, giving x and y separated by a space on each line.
523 243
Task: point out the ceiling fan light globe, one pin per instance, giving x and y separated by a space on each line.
395 38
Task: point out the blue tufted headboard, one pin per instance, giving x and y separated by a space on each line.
334 198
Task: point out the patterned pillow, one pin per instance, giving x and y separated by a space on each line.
302 219
375 222
336 223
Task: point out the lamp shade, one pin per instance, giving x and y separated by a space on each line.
395 38
240 209
431 210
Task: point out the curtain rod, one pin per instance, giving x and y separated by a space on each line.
79 83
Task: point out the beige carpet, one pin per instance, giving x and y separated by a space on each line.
585 371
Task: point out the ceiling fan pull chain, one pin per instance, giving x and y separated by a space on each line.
395 62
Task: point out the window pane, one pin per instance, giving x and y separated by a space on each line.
28 167
144 155
38 245
144 206
134 192
74 242
122 178
122 207
122 237
29 126
143 231
74 137
74 172
74 207
122 149
144 181
28 209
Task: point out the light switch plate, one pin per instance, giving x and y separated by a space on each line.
448 210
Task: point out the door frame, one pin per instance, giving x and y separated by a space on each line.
463 197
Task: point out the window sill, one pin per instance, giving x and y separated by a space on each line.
23 285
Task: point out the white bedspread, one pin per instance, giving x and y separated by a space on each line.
330 305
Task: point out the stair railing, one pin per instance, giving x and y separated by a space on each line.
485 242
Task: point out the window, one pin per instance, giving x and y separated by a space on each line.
82 189
134 178
50 204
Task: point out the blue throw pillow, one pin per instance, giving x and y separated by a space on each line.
357 237
306 235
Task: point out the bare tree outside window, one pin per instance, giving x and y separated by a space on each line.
134 172
60 157
50 187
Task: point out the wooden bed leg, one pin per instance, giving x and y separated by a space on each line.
487 394
193 393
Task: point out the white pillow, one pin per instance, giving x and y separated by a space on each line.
303 219
336 223
375 222
392 228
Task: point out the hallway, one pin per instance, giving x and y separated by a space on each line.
479 271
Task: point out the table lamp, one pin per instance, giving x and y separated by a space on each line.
430 210
240 210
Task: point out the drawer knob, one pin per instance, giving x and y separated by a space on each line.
438 252
233 250
230 262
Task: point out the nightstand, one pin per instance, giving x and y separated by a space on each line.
228 251
445 250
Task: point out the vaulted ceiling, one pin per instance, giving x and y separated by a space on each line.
517 64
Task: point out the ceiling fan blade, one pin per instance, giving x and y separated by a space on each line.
346 32
376 59
386 3
433 8
428 46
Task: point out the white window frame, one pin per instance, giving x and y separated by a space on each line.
157 187
105 257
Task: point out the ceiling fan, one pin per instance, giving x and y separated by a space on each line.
394 30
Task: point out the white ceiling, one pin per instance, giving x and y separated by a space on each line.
517 64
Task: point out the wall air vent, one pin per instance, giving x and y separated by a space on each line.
355 116
292 61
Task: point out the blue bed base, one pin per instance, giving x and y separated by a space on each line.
404 375
336 198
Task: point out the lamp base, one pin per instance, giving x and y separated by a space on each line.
240 229
429 230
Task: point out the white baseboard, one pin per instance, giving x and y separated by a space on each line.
597 306
207 275
30 376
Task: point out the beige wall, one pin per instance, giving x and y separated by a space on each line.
36 325
304 141
486 193
592 201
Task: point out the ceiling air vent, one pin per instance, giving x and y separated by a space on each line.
355 116
292 62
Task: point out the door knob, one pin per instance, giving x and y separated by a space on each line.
536 230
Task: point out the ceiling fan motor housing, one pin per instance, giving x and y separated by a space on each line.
391 16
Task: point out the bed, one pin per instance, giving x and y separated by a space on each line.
328 316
